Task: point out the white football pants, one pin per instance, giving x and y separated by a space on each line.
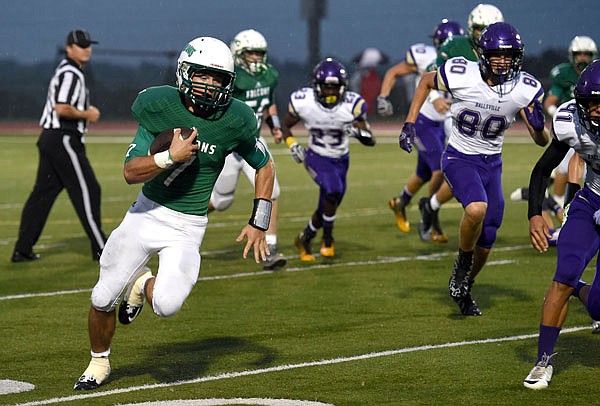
148 228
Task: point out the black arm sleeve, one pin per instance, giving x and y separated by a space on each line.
541 175
570 191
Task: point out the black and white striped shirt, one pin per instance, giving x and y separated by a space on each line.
66 86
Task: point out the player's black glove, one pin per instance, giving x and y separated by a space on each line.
406 136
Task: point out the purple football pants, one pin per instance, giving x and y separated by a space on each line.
430 141
329 174
578 242
477 178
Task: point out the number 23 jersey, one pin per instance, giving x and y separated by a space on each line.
326 126
480 112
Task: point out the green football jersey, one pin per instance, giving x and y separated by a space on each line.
460 45
564 78
257 91
186 187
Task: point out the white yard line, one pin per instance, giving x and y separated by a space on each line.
232 375
385 260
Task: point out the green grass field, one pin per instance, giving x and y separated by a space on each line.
374 326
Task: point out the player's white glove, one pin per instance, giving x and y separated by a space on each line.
298 153
364 136
384 106
351 131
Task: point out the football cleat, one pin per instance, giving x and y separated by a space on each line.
398 206
467 305
438 236
133 300
327 249
460 284
303 245
541 374
427 217
24 257
96 373
274 259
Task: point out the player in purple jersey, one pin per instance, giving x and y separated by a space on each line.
576 125
332 115
487 95
429 128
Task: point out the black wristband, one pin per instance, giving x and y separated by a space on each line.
261 214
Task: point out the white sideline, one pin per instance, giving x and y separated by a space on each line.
385 260
231 375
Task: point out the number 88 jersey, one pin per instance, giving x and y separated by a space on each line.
480 112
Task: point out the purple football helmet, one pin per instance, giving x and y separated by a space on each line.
330 80
444 30
497 40
587 91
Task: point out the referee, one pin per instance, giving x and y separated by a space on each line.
63 162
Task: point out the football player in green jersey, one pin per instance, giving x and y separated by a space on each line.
466 46
582 51
169 215
255 84
456 46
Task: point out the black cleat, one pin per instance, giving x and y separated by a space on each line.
467 305
460 282
133 300
437 235
23 257
427 217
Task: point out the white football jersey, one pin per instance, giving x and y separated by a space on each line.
422 56
480 115
326 126
569 130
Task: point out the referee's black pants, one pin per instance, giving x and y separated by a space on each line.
63 164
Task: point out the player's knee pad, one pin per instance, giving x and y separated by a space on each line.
221 202
102 299
165 305
593 304
223 191
423 171
488 236
333 197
